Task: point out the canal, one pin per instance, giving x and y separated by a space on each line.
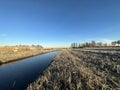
18 75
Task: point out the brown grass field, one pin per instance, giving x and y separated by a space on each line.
13 53
81 70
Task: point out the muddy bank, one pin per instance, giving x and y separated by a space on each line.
80 71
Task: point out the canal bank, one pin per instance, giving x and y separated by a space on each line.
73 70
10 54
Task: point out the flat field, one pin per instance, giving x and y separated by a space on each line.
81 70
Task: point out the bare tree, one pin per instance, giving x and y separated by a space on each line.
113 43
99 44
93 43
118 42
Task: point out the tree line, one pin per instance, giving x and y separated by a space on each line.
37 46
94 44
116 43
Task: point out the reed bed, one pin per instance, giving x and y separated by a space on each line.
81 70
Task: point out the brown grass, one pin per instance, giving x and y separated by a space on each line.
80 71
12 53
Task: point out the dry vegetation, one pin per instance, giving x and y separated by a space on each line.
12 53
81 70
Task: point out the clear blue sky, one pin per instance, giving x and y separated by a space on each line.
57 23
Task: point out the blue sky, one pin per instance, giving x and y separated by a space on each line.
58 23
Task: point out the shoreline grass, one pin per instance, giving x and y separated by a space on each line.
11 54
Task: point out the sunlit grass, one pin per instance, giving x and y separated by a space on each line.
8 54
81 70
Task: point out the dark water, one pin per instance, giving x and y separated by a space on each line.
18 75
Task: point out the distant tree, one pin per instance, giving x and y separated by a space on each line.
37 46
83 45
40 46
99 44
118 42
79 45
27 45
73 45
105 45
23 45
113 43
87 44
76 45
33 45
93 43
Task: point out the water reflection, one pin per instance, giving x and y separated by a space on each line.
17 75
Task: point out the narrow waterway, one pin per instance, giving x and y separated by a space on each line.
18 75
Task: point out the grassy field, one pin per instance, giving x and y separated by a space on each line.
81 70
12 53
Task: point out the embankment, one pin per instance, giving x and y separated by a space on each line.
10 54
